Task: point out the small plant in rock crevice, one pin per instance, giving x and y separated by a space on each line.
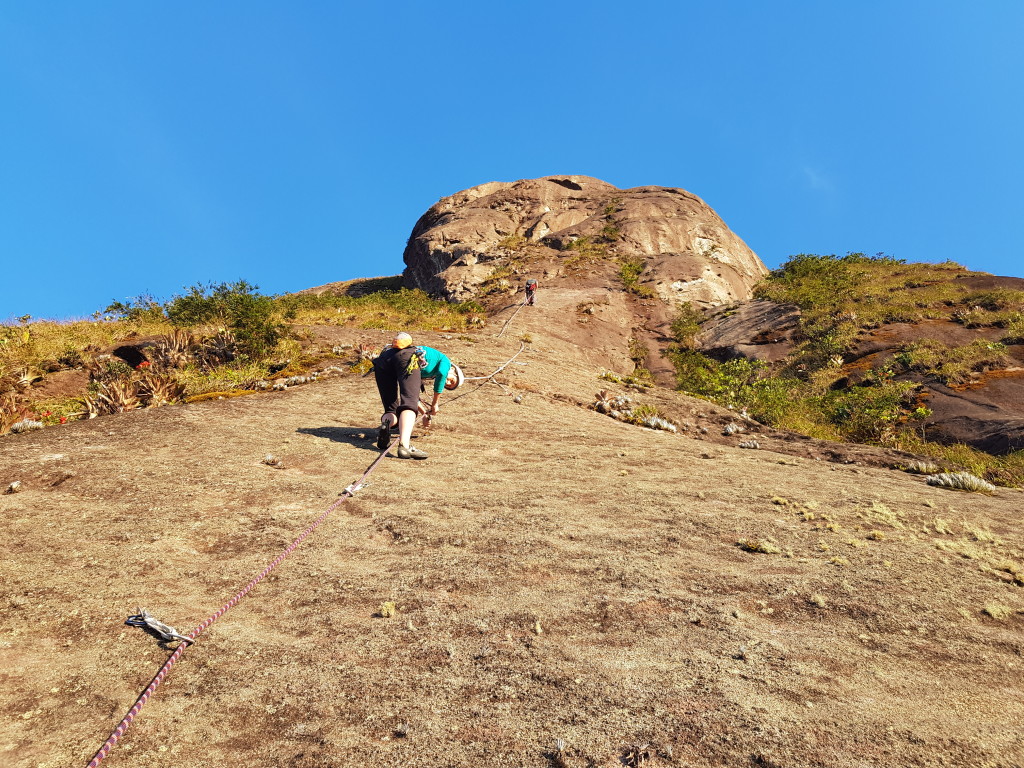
630 270
640 378
997 611
762 546
686 325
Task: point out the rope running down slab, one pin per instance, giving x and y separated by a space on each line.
508 322
180 650
141 701
488 377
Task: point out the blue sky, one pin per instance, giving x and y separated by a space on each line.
147 147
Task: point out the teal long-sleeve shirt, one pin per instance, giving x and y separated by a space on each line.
437 367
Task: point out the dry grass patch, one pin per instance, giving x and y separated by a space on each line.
961 481
764 546
883 515
997 611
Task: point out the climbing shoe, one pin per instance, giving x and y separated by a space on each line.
383 436
412 452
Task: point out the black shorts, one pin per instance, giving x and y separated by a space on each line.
399 387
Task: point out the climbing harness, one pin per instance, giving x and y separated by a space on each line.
488 378
190 638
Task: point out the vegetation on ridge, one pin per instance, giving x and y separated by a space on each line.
218 338
840 298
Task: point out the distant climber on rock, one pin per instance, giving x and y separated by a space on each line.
400 372
531 292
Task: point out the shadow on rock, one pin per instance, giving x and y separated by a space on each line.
361 438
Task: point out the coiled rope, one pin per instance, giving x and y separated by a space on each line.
141 701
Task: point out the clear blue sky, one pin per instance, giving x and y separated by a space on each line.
151 146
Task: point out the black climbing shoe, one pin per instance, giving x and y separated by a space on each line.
383 437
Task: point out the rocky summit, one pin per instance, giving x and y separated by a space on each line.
687 252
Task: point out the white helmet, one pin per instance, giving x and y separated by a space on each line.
459 377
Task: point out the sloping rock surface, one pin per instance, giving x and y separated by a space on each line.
988 415
556 574
689 252
759 330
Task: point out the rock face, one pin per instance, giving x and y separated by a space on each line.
688 251
758 330
988 416
986 413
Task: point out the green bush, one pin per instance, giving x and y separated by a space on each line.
252 317
610 232
870 413
875 412
586 251
142 308
739 383
630 269
686 325
813 282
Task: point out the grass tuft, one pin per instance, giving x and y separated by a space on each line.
764 546
997 611
961 481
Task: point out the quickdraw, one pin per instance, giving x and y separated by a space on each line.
145 619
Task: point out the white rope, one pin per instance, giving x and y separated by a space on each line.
489 377
510 320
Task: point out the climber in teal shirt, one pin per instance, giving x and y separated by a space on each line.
445 375
399 371
437 367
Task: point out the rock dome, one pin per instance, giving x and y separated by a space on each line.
687 251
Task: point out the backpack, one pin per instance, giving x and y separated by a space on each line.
417 357
531 285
